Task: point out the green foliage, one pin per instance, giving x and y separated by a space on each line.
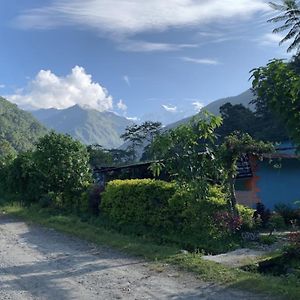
139 203
63 166
288 213
267 239
277 222
166 213
246 215
234 147
188 152
23 178
277 86
260 124
99 157
18 127
137 135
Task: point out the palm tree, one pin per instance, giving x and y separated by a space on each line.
290 13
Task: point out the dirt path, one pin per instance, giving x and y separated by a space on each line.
39 263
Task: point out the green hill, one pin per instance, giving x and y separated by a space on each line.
87 125
18 127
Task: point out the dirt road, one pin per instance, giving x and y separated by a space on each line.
39 263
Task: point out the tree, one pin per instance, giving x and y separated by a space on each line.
277 86
236 117
235 146
188 152
139 135
63 166
23 178
290 14
99 157
261 124
7 153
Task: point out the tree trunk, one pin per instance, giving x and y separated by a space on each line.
233 201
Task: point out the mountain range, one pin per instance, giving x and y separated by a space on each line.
85 124
214 107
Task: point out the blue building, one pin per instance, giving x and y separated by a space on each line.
274 180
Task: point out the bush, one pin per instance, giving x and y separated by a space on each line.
166 213
287 212
276 222
246 215
139 203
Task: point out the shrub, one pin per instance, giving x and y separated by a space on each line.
166 213
246 215
277 222
141 203
287 212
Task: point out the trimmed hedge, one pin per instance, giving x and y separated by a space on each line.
139 203
158 209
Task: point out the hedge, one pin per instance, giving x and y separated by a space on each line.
160 210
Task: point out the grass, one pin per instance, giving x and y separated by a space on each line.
286 288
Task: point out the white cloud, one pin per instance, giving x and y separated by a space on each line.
198 105
202 61
134 119
48 90
126 79
270 39
143 46
121 105
130 17
170 108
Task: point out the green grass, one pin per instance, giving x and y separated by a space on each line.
286 288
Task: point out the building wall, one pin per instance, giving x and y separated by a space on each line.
279 185
271 185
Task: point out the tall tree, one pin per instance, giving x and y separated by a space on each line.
138 135
289 14
277 86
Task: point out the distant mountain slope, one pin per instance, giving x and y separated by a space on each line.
18 127
87 125
214 107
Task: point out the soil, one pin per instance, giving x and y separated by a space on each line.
40 263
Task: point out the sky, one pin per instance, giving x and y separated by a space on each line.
155 59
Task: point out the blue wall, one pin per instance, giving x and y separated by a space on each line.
279 185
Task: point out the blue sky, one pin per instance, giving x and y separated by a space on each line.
141 59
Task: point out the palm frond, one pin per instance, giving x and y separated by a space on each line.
282 28
295 44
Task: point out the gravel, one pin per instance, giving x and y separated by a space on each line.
40 263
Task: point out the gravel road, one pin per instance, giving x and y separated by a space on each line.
40 263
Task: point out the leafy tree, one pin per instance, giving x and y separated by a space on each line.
188 152
120 157
7 153
290 14
277 87
63 166
138 135
23 178
236 117
99 156
262 124
234 147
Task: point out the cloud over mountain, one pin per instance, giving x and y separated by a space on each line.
48 90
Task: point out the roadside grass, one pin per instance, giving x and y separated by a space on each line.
282 287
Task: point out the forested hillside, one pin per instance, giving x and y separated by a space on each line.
19 128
